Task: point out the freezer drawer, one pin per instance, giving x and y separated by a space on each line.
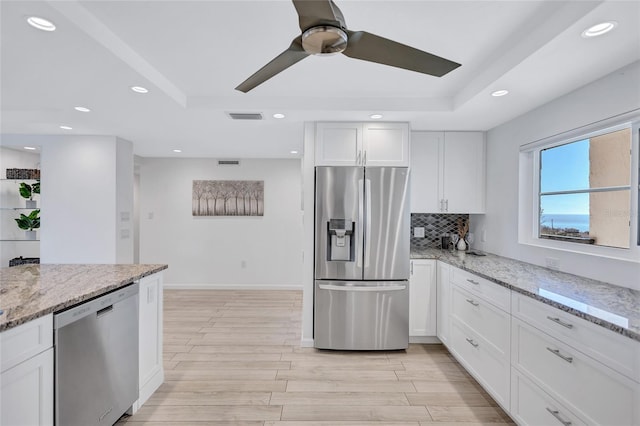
361 315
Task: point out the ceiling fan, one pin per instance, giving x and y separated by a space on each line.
324 31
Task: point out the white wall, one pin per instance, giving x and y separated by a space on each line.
209 252
83 190
612 95
16 158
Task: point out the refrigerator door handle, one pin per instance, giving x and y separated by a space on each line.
361 288
367 236
360 231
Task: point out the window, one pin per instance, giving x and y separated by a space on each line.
584 190
578 191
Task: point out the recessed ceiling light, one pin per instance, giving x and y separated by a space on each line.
177 150
499 93
66 127
81 109
278 115
41 23
30 148
294 152
375 116
139 89
599 29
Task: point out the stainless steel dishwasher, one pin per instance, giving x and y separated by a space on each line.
96 359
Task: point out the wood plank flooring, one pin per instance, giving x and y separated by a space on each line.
234 358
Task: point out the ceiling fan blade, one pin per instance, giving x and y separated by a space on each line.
295 53
373 48
312 13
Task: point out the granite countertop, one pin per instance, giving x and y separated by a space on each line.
614 307
28 292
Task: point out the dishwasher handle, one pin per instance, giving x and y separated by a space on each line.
100 305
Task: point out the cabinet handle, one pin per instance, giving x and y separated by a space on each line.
472 343
411 268
559 321
441 205
358 162
473 282
556 414
446 205
473 302
556 352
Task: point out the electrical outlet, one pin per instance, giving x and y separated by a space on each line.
483 236
552 263
418 232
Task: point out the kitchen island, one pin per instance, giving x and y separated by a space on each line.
28 292
30 295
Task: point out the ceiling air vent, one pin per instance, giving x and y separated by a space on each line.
228 162
245 115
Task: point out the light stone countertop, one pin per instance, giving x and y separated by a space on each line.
614 307
28 292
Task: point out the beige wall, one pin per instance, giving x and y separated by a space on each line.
609 211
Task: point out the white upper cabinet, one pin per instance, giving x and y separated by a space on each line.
362 144
448 172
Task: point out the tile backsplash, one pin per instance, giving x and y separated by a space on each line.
435 225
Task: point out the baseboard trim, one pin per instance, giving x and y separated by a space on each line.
306 343
210 286
424 339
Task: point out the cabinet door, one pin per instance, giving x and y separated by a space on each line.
463 173
426 168
422 297
386 144
151 373
338 144
443 306
26 393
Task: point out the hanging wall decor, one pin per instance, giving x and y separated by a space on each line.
228 198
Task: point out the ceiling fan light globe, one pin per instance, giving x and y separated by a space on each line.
324 40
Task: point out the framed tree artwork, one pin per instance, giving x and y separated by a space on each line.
228 198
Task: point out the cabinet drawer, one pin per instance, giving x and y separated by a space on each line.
488 367
491 323
616 351
591 390
24 341
491 292
530 405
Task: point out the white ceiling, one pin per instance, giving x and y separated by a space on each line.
191 55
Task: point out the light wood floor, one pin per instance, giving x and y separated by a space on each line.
234 357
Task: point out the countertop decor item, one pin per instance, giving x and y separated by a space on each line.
463 229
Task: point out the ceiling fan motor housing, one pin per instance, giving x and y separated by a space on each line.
324 40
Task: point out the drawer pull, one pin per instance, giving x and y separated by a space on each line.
473 282
559 321
556 414
472 343
473 302
556 352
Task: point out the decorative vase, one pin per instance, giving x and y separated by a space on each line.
30 235
31 204
462 245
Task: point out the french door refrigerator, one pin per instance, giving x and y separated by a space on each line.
362 227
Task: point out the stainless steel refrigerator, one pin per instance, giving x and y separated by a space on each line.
362 227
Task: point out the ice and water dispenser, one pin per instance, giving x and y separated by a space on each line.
341 240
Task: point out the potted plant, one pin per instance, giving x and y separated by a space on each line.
27 191
29 223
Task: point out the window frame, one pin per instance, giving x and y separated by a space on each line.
529 190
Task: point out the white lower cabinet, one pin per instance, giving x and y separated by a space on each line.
593 391
422 298
26 380
443 306
532 406
151 373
